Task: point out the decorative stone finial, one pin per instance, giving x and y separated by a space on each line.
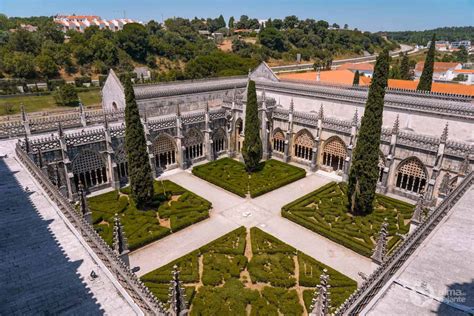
355 119
106 122
177 298
292 106
418 212
60 129
396 125
178 110
207 107
321 302
86 213
381 246
23 112
120 241
444 136
81 106
321 112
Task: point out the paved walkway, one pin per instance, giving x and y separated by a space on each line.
44 264
231 211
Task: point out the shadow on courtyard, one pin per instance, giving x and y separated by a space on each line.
36 277
461 294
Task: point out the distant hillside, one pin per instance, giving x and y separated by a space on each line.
442 33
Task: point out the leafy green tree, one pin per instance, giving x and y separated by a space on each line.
277 23
23 41
273 39
46 66
290 22
66 95
405 68
19 65
426 78
364 170
252 145
134 40
231 22
462 55
356 78
139 170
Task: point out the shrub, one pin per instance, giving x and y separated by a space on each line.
66 95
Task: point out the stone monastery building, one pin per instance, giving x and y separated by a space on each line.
426 146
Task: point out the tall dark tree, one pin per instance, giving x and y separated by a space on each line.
356 78
252 146
426 78
139 170
405 68
231 22
364 170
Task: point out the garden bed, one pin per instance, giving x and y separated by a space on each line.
325 211
174 208
232 176
229 276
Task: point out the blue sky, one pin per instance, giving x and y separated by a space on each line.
371 15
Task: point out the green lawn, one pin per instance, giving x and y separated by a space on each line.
46 102
231 175
236 275
325 212
173 209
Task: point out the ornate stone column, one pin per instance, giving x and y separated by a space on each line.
179 139
263 128
110 155
149 146
65 165
437 168
390 166
82 114
351 146
25 121
207 135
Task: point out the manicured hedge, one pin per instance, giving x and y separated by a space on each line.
232 176
225 290
142 226
325 212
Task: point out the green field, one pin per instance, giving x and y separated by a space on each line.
232 176
46 102
173 208
249 268
325 212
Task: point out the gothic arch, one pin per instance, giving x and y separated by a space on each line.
303 145
89 168
164 150
219 140
278 139
334 153
193 144
411 175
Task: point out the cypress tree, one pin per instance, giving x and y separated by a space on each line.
356 78
252 146
405 68
139 170
426 78
364 170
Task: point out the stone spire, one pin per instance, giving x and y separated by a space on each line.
86 213
380 249
177 298
106 122
292 105
27 144
418 212
23 113
396 125
355 119
178 110
465 167
444 136
207 107
120 244
60 130
40 158
321 302
321 112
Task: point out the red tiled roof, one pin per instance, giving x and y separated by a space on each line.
438 66
360 67
435 87
340 76
465 71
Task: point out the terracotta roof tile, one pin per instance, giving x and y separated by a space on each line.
438 66
361 67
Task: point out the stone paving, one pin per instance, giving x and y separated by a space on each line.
44 264
438 278
231 211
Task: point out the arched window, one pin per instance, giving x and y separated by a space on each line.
89 168
304 143
218 141
122 164
279 141
334 153
114 105
411 175
193 144
164 150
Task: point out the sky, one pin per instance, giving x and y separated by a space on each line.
367 15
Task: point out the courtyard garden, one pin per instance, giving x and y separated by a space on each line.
231 175
249 272
325 211
173 208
